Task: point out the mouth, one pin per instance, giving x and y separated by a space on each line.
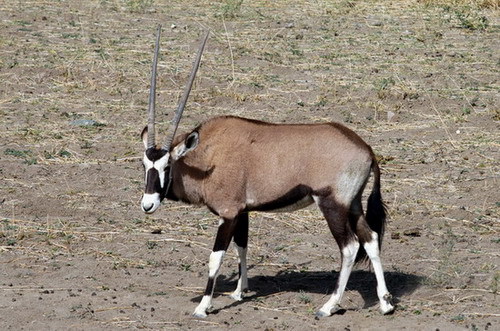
150 202
148 209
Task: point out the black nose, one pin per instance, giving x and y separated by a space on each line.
148 207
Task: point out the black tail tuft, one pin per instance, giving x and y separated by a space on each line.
376 213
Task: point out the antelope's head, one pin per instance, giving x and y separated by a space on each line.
157 161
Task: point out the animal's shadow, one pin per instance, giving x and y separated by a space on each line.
322 282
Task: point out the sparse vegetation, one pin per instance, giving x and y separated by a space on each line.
229 9
304 298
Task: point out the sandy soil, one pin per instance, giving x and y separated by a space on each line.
418 82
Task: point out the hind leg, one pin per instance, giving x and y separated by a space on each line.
371 244
337 217
348 257
372 249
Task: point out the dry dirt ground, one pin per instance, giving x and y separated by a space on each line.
418 81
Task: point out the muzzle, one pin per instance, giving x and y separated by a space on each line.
150 202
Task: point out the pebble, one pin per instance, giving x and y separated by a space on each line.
390 115
84 122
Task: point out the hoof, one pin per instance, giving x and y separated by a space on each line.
327 311
199 315
386 306
236 296
386 309
321 314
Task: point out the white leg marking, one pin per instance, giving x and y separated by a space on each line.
214 265
384 296
243 278
201 309
215 262
348 257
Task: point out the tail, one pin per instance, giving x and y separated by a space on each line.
376 213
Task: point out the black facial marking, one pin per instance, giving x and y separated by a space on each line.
154 154
153 184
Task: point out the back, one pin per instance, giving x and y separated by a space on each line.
247 155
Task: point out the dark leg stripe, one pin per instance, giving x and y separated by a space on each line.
224 235
210 286
241 230
337 217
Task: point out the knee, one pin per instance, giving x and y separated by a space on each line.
350 250
371 247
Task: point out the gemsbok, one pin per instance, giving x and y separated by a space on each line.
234 165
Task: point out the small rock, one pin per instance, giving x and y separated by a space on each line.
412 232
85 122
429 159
390 115
395 235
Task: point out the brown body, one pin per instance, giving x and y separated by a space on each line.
263 166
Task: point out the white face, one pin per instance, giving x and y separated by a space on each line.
155 173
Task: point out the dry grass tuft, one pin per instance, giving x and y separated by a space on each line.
490 4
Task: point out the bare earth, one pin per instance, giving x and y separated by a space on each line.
419 82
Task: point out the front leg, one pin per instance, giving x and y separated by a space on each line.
224 235
241 242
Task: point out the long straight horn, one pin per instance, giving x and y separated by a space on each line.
152 93
183 100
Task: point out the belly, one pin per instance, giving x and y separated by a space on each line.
302 203
295 199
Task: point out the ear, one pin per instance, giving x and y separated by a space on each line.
192 141
189 144
144 137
